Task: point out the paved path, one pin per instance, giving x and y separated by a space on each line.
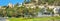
2 19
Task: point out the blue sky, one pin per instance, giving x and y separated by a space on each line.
5 2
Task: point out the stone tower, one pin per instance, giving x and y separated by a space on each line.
10 5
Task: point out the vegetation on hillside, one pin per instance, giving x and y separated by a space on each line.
22 11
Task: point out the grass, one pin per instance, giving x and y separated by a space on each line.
34 19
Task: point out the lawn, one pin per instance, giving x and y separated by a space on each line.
34 19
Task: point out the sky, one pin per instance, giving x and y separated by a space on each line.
6 2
